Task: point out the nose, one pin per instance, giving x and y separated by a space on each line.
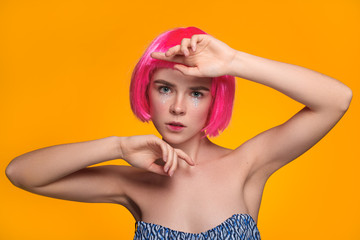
178 107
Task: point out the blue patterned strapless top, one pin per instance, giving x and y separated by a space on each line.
238 226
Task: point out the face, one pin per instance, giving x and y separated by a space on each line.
179 104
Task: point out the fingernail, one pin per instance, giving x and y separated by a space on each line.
166 168
193 48
171 173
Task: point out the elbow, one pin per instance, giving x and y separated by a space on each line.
340 101
347 100
11 174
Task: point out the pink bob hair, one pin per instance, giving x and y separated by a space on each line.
222 88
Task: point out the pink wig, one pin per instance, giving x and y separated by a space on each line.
222 88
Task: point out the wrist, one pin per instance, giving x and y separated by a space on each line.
236 64
119 146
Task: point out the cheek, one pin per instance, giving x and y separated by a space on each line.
158 104
195 102
164 98
206 110
200 110
201 104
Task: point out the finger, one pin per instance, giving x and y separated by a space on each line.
169 159
172 58
158 55
168 55
160 143
193 42
201 37
173 50
189 71
184 156
185 44
164 151
157 169
174 164
163 147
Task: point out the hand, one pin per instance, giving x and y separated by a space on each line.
144 150
203 55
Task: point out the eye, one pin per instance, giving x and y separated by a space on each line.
164 89
197 94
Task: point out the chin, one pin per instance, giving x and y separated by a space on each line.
174 139
177 139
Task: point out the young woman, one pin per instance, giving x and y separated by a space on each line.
183 186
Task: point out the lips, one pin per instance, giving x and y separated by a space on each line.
176 124
175 127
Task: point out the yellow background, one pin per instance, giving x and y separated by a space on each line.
64 77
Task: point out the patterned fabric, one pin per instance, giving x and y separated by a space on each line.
238 226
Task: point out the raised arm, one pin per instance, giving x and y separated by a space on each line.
326 99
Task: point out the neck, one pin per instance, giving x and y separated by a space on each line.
194 148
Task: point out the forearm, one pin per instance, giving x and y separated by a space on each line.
46 165
313 89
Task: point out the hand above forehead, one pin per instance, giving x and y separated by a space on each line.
201 55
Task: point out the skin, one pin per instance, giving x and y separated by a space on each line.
179 107
205 183
197 195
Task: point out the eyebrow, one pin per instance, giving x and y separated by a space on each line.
172 85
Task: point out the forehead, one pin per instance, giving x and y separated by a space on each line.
176 77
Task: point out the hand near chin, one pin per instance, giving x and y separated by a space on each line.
201 55
145 151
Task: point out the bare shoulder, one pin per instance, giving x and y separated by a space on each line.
244 157
219 151
240 161
241 158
